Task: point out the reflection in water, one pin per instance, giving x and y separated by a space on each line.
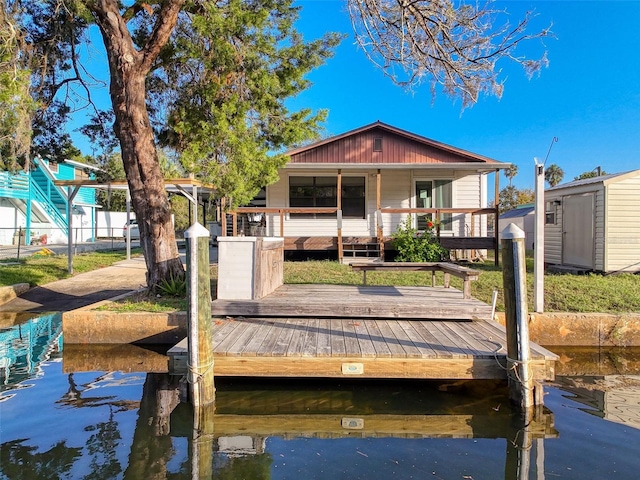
24 346
100 425
613 397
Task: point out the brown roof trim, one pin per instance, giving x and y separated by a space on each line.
398 131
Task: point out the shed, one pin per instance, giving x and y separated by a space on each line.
594 223
524 217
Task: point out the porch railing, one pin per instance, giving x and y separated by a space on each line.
474 241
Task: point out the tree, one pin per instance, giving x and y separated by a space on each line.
207 78
453 45
511 197
511 172
553 174
596 172
16 104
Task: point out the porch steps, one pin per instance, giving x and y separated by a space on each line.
360 250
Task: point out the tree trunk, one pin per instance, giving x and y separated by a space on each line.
128 71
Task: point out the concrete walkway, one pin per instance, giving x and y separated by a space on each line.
82 289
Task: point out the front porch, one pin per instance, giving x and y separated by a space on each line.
350 247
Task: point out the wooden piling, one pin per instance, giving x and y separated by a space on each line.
521 387
199 326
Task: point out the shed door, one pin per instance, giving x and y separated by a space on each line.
578 214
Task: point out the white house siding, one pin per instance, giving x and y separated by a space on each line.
396 190
468 193
623 226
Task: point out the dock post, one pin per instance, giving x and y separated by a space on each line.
521 385
199 326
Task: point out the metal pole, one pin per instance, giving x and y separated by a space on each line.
538 246
69 231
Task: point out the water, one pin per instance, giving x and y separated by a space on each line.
58 422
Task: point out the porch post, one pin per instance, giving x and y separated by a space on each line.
339 215
282 223
223 216
379 232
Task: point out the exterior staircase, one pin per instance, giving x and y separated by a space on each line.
51 199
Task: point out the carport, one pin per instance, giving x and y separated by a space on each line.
195 191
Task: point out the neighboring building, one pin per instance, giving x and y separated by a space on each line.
594 224
523 216
34 210
383 175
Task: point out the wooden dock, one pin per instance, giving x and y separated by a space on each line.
358 301
360 332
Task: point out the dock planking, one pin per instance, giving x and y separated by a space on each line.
358 301
380 348
346 331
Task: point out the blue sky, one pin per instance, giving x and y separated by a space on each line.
588 97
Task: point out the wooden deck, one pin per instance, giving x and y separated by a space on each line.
365 348
351 301
338 331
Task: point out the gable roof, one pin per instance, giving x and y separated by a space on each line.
355 148
604 179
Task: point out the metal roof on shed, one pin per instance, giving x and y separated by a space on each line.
517 212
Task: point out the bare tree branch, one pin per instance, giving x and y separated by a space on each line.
451 44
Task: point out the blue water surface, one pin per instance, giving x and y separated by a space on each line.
104 425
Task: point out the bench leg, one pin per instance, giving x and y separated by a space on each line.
364 277
466 288
433 279
447 280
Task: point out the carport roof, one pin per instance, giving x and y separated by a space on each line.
173 185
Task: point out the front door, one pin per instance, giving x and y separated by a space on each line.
424 199
433 194
578 220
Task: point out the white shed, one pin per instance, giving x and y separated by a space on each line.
594 223
524 217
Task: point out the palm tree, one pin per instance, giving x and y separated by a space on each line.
511 172
553 174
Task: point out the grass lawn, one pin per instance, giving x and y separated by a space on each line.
563 293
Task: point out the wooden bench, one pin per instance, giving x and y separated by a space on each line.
466 274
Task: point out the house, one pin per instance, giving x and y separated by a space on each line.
349 193
34 210
524 217
594 224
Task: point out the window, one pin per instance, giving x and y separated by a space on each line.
434 194
377 144
353 197
322 192
550 213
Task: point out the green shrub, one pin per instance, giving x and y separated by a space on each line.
174 287
414 246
